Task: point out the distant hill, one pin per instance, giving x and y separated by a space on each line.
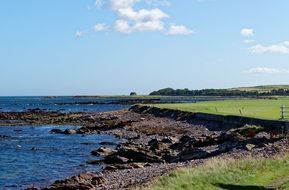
265 90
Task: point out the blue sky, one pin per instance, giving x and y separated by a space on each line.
105 47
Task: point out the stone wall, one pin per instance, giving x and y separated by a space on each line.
220 119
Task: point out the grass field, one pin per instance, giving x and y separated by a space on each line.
219 174
257 108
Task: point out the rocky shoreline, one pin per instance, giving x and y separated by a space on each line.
153 145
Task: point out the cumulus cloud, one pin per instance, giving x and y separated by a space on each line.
139 16
100 27
132 20
179 30
282 48
266 70
247 32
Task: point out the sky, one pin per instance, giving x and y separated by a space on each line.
114 47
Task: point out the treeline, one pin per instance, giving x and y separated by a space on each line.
217 92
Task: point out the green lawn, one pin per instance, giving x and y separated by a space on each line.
220 174
258 108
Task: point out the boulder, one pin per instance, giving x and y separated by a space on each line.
137 154
103 151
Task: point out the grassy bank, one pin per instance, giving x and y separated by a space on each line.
258 108
220 174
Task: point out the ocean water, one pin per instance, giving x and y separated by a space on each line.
63 104
33 156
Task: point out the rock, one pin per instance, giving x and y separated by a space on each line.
193 154
115 159
169 140
249 146
107 143
157 145
4 136
94 162
56 131
33 148
70 131
98 180
88 143
87 176
138 165
102 151
138 154
262 135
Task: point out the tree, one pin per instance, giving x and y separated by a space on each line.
133 94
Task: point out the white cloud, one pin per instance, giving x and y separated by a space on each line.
266 70
132 20
123 26
247 32
282 48
100 27
139 16
142 14
179 30
79 33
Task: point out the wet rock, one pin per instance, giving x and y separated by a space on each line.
88 143
94 162
70 132
33 148
56 131
107 143
3 136
103 151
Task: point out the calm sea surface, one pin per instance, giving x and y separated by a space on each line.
63 104
30 155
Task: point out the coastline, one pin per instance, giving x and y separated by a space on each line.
154 145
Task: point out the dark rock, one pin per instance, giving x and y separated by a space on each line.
56 131
94 162
107 143
33 148
88 143
115 159
157 145
137 154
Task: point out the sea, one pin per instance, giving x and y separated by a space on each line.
30 156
